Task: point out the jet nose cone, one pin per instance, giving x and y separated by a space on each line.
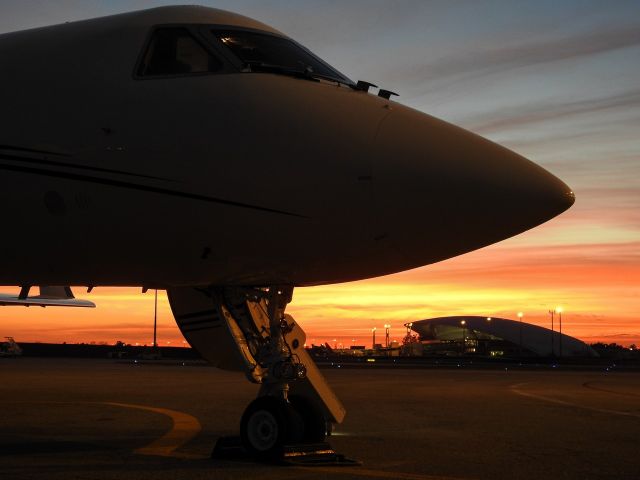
547 195
442 191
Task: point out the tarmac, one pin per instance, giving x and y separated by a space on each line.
105 419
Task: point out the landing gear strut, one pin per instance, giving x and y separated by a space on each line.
246 329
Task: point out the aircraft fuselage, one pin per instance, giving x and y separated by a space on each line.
233 177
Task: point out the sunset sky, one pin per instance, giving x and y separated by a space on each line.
558 82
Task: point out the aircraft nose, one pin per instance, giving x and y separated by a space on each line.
441 191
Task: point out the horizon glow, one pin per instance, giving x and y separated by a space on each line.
557 83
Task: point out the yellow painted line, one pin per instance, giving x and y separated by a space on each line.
185 427
518 391
369 473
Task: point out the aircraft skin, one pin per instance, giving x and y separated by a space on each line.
231 177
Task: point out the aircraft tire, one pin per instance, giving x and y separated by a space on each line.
267 425
315 423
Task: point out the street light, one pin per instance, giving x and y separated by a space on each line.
520 315
373 343
463 323
155 321
485 343
559 312
408 325
553 350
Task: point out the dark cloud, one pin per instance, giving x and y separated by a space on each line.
477 62
523 115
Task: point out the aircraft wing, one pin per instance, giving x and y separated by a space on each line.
49 297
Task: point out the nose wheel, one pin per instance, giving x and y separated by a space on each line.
267 425
289 431
315 425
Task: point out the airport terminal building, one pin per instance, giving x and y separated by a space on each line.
495 337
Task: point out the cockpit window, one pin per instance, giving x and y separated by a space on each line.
174 51
264 52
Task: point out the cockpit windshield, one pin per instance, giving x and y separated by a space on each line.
264 52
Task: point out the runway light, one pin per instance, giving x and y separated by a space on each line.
488 319
463 322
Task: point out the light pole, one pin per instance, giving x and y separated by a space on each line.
553 350
155 321
485 343
520 315
463 323
407 340
559 311
373 342
386 335
408 325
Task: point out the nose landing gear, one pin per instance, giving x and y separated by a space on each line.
246 329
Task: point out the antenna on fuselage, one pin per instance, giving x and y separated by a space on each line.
386 94
363 86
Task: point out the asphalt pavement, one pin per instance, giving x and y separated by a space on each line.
104 419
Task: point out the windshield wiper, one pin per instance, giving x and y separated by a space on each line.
255 66
332 79
305 72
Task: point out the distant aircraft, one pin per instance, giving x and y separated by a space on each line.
10 348
205 153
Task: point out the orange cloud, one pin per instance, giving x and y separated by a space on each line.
597 284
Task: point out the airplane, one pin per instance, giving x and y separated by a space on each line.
10 348
205 153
